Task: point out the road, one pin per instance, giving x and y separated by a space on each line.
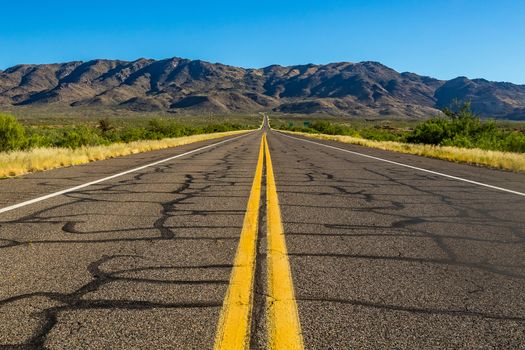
330 249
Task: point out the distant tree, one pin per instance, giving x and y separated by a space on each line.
459 110
105 125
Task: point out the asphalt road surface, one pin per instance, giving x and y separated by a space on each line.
379 255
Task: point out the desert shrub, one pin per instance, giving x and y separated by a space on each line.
381 134
80 136
35 140
43 136
12 134
432 132
462 128
159 128
130 134
325 127
514 142
221 127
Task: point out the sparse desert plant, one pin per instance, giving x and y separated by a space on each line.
105 125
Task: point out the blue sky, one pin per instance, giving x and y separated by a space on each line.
440 38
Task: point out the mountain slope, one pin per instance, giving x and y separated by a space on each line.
194 86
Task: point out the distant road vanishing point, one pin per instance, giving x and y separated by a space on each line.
263 241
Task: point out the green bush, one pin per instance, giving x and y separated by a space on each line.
380 134
462 128
80 136
325 127
221 128
12 134
514 142
130 135
432 132
159 128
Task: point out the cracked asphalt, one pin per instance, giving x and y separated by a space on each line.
382 257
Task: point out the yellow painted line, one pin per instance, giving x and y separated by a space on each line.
233 330
284 328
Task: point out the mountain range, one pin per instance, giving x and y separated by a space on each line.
365 89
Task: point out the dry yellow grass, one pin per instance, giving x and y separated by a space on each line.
494 159
38 159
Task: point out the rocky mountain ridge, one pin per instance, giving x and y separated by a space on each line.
192 86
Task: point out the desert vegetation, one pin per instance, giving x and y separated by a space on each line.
495 159
14 136
458 127
458 135
37 159
34 148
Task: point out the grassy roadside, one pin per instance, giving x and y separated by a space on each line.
494 159
38 159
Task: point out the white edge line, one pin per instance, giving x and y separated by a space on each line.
72 189
411 166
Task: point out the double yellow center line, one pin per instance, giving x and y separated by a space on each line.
284 329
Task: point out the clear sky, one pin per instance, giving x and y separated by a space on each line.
440 38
